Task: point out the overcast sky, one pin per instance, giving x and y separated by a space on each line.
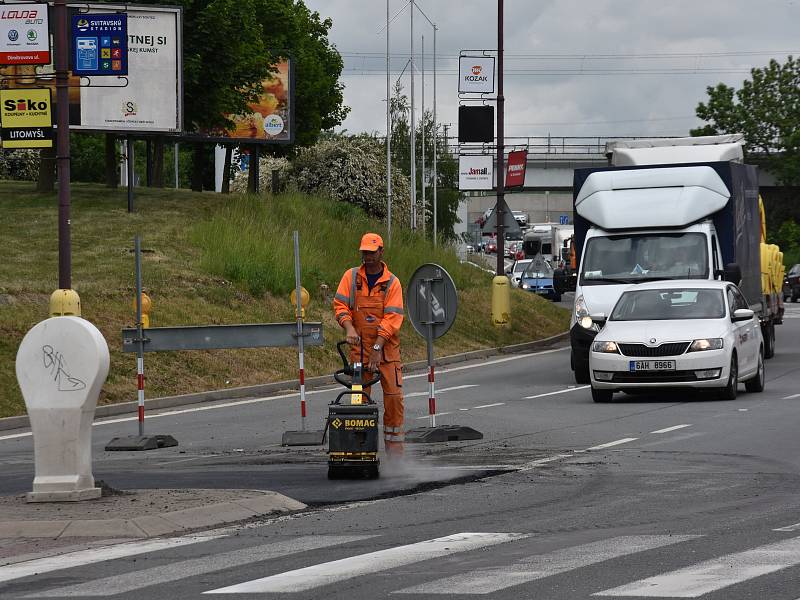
573 67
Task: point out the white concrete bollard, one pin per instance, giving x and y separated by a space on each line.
62 364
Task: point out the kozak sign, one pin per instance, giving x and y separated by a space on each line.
24 37
476 74
26 117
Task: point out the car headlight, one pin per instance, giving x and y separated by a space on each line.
525 286
706 344
605 347
581 310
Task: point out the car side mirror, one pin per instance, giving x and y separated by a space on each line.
742 314
733 273
600 318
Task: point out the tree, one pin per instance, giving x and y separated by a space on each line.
765 110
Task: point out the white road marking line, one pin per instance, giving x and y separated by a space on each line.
370 564
580 387
487 581
447 389
292 395
490 405
96 555
175 571
673 428
794 527
715 574
743 409
541 461
439 414
790 397
614 443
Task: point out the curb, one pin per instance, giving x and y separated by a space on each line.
146 526
265 389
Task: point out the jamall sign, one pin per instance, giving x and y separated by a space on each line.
476 74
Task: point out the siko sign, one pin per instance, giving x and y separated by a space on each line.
24 39
476 74
26 117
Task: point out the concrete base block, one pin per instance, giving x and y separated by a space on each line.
303 438
141 442
64 496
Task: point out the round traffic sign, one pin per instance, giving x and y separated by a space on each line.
431 300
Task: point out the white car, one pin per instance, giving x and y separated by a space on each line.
515 271
683 333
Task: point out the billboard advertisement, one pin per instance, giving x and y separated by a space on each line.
99 44
475 172
515 168
271 118
24 37
26 117
148 100
476 74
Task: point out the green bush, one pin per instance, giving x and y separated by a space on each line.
21 165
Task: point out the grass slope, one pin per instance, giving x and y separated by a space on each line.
214 259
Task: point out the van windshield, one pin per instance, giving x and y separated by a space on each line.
644 257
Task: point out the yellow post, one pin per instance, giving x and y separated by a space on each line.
65 303
147 304
305 298
501 301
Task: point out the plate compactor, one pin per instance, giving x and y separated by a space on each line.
353 424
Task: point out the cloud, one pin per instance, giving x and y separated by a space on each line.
572 68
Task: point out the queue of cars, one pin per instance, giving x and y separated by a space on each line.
791 284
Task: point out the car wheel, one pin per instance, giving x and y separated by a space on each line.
557 298
602 396
730 390
795 298
768 333
756 383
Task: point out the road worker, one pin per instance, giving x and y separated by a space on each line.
369 307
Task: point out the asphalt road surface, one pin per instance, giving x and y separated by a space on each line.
652 496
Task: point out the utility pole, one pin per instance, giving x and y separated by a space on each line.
413 134
62 146
435 141
500 175
424 204
388 138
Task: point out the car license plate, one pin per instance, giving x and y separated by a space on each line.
651 365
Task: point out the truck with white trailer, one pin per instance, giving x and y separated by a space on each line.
681 208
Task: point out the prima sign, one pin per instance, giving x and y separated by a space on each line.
476 74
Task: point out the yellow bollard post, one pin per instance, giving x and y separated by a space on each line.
305 298
147 304
65 303
501 301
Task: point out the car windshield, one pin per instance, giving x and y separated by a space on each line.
538 267
669 304
520 265
632 258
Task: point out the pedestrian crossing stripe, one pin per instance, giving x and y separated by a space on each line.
335 571
487 581
715 574
175 571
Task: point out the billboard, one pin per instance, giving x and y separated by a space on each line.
271 118
475 172
476 74
515 168
24 37
26 117
148 100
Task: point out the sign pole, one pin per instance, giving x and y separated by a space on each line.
299 317
500 145
429 340
140 331
62 145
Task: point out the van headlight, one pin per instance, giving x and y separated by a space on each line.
582 315
706 344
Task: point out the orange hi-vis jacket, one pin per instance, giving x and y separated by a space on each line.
374 313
